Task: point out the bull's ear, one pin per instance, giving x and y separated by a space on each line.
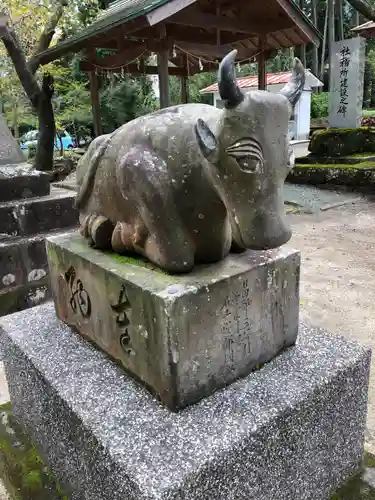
206 139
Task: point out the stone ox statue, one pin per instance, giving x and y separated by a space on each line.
187 184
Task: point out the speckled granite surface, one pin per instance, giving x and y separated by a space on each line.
292 431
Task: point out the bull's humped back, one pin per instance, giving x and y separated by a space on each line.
168 131
167 136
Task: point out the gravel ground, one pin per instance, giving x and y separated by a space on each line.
338 277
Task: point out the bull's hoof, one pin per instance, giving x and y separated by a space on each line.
101 233
117 243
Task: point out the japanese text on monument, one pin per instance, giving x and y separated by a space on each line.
345 59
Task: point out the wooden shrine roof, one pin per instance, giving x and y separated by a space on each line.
206 29
367 30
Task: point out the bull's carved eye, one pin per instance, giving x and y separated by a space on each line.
248 164
248 153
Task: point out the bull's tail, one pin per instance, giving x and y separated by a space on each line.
86 187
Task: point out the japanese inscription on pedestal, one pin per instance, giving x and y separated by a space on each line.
235 324
79 299
122 308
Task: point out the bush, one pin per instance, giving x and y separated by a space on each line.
319 105
31 151
368 121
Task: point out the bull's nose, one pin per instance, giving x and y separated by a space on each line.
279 239
272 237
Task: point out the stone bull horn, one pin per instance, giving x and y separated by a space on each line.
293 89
228 88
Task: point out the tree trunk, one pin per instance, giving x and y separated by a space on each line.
331 35
340 20
323 55
315 49
47 128
47 34
40 97
372 95
356 19
363 8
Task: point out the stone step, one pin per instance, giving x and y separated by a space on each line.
24 275
38 215
22 181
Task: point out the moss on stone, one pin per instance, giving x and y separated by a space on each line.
22 469
357 488
360 176
9 301
333 166
362 155
135 261
342 141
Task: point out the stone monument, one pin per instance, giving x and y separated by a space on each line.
347 63
10 153
28 212
192 385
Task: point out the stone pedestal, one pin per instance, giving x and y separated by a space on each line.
293 430
29 211
183 336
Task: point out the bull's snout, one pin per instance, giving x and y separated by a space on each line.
276 239
266 232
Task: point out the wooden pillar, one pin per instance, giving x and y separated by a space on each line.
315 56
163 56
185 82
262 84
184 90
95 104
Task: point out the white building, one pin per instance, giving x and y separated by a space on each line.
300 121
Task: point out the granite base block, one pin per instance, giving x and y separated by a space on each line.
293 430
184 336
22 181
37 215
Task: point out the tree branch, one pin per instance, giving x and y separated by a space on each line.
47 34
15 53
363 8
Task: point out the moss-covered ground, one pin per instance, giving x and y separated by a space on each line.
22 470
362 486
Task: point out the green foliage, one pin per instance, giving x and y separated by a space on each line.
31 151
319 105
123 99
74 112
